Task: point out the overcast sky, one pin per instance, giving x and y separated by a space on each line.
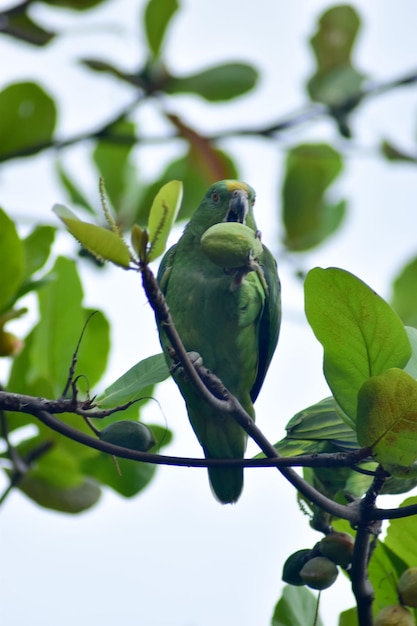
173 555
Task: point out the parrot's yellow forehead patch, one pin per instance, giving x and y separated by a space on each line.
235 184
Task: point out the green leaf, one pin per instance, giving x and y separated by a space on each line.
349 617
335 78
387 417
75 195
312 428
75 5
130 385
95 347
101 242
308 218
360 333
162 216
401 536
66 500
134 476
216 84
404 297
27 119
158 14
384 569
37 248
411 367
296 607
11 260
60 326
112 161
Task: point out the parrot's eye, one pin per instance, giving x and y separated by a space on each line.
215 196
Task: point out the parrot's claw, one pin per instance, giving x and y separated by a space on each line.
195 359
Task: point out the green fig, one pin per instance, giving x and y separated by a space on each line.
319 573
128 434
292 567
394 615
338 547
407 587
231 244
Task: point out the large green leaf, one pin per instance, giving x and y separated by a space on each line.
131 384
101 242
27 119
158 14
411 367
296 607
308 217
222 82
387 417
360 333
11 259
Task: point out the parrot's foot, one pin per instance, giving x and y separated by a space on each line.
195 359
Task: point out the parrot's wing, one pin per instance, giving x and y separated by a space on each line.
270 320
165 268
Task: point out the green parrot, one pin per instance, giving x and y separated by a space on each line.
230 318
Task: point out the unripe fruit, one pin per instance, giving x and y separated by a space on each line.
394 615
128 434
319 573
231 244
292 567
407 587
10 345
338 547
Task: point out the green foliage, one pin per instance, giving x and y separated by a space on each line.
104 244
360 333
308 217
158 14
296 607
27 119
132 385
404 297
162 215
216 84
387 417
333 43
12 261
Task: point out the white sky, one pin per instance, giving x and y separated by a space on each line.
173 555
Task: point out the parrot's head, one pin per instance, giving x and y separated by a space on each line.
225 201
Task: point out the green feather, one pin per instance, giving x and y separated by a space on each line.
233 325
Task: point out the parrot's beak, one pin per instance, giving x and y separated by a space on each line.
238 207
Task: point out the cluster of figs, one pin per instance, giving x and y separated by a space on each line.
317 568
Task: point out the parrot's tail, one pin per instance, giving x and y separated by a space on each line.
226 484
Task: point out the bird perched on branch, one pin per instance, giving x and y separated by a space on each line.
222 288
